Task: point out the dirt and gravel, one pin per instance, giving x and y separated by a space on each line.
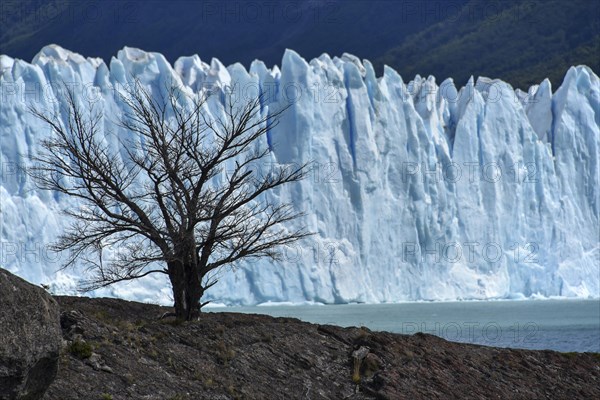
114 349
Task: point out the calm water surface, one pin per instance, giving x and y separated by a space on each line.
563 325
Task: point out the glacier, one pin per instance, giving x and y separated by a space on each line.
417 191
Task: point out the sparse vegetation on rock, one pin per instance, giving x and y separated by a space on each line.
243 356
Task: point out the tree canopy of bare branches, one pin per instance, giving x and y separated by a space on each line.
180 196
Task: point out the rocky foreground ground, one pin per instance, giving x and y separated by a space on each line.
120 350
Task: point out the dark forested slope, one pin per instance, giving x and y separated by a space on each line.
520 41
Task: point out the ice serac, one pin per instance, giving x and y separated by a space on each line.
417 191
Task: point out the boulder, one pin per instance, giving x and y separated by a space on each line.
30 339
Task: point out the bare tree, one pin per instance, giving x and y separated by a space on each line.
181 199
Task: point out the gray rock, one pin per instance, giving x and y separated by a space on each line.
360 353
30 339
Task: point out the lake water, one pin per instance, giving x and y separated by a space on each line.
563 325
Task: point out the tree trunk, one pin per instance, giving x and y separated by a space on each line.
187 290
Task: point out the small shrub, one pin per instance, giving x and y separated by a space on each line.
139 323
158 336
128 379
233 392
198 376
224 353
124 326
371 364
363 333
409 354
153 354
106 396
173 322
81 350
356 372
102 316
266 337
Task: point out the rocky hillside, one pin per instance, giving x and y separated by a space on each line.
120 350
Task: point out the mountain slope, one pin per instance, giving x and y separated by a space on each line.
231 30
519 42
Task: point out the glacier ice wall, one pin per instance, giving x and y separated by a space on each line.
417 192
